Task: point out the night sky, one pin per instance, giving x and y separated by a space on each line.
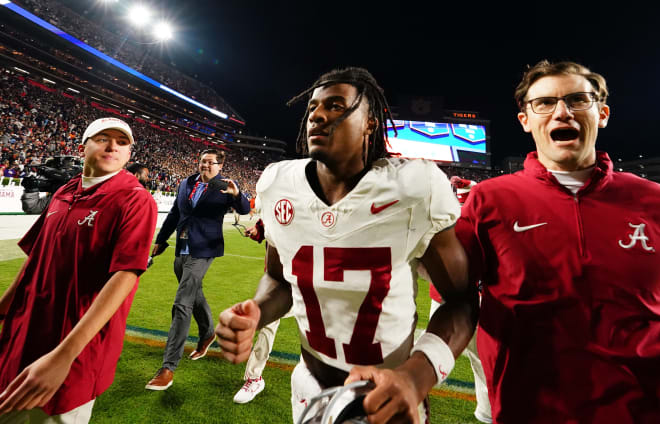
257 55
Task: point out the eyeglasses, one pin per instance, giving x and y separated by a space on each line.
573 101
208 162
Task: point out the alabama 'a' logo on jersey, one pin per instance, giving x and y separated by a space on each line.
328 219
284 211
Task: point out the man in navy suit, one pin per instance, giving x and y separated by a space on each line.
197 215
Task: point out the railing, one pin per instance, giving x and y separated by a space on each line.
11 181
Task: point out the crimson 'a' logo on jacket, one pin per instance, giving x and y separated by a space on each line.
284 211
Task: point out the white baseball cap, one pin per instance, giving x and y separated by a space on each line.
106 124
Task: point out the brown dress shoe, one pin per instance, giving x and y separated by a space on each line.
202 348
161 381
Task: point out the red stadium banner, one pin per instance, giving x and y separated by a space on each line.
108 109
40 85
208 143
160 128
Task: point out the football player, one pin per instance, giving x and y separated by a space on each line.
346 229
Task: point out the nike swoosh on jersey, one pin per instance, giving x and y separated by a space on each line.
50 213
378 209
519 229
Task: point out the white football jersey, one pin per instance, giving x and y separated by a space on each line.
352 265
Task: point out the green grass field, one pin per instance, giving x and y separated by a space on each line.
203 390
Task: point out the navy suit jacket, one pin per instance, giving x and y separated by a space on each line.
204 221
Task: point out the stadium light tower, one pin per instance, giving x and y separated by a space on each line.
139 15
163 31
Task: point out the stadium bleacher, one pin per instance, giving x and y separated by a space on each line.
89 72
37 122
130 54
50 90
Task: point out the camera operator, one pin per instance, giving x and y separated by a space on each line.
50 176
141 172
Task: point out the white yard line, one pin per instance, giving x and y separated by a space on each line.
245 257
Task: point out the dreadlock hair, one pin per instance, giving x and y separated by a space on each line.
368 88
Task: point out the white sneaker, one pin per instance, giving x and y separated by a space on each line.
251 388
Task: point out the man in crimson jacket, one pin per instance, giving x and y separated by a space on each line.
65 314
567 251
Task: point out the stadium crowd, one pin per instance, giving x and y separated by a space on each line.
473 174
133 55
114 86
45 125
36 124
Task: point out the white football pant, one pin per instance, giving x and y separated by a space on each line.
482 413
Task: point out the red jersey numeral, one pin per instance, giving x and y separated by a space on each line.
303 268
361 350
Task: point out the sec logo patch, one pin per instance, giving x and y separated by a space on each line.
284 211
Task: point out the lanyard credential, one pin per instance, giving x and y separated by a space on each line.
192 193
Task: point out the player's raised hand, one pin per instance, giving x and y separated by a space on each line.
393 400
236 328
36 384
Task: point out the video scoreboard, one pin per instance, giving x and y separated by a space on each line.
457 142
